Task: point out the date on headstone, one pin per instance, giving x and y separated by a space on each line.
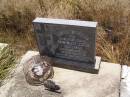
70 43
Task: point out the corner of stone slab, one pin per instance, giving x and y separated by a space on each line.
97 64
3 45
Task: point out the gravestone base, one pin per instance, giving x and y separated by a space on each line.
73 83
85 67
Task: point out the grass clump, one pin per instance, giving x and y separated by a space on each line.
16 20
113 52
7 62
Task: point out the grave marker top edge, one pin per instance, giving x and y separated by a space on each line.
65 22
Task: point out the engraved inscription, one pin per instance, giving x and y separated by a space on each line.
72 46
66 42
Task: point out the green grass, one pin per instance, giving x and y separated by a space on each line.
7 62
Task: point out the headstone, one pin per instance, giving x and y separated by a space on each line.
70 43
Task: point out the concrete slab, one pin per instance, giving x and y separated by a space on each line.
125 82
72 83
3 45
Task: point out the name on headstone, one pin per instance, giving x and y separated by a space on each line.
70 43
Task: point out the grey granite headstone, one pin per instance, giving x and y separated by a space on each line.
70 43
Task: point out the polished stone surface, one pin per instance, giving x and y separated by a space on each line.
67 41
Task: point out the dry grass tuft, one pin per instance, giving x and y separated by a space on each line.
113 52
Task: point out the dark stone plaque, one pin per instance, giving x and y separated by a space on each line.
70 43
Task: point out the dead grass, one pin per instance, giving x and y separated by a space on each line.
16 18
113 52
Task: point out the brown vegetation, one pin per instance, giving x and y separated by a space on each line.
113 16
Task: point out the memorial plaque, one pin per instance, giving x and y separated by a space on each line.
70 43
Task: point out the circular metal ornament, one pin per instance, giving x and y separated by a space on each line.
38 69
